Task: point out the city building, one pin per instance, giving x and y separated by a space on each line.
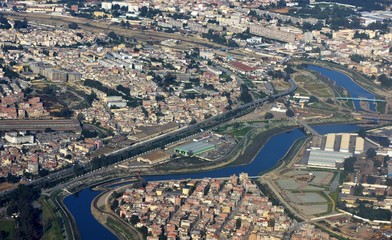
18 138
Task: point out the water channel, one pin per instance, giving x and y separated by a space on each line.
344 81
269 155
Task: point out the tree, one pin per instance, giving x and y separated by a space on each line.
271 222
290 113
371 179
303 3
114 205
21 24
268 115
357 58
380 198
361 35
377 164
358 190
386 159
134 219
4 24
362 133
313 99
112 35
43 172
238 223
349 164
371 153
245 95
330 101
385 80
48 130
73 25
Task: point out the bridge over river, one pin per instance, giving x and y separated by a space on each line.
361 99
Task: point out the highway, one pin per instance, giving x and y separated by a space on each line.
207 123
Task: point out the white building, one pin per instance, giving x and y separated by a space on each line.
15 138
279 107
324 159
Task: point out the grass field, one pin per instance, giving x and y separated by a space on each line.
311 83
381 107
7 227
323 106
240 133
51 222
112 223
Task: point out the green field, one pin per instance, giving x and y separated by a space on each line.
51 222
240 133
7 229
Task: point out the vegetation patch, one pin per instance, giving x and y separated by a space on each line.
50 220
7 229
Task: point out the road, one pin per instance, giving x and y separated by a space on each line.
141 147
159 141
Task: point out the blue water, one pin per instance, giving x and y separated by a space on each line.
79 205
274 149
347 83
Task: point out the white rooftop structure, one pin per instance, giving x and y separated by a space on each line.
359 145
325 159
330 142
345 142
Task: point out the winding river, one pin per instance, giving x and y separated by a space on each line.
269 155
353 88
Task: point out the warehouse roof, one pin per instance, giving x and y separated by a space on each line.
330 142
195 147
345 143
326 159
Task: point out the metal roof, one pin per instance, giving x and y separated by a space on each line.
326 158
195 147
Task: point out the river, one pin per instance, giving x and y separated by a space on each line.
347 83
269 155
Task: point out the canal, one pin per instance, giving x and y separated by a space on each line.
344 81
268 156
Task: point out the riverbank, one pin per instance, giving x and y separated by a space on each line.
97 208
355 76
100 209
237 156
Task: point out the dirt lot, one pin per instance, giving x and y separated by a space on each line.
5 186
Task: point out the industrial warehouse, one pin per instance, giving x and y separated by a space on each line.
194 148
329 151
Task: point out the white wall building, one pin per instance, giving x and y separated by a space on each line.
15 138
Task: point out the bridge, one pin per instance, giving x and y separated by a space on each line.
361 99
308 128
